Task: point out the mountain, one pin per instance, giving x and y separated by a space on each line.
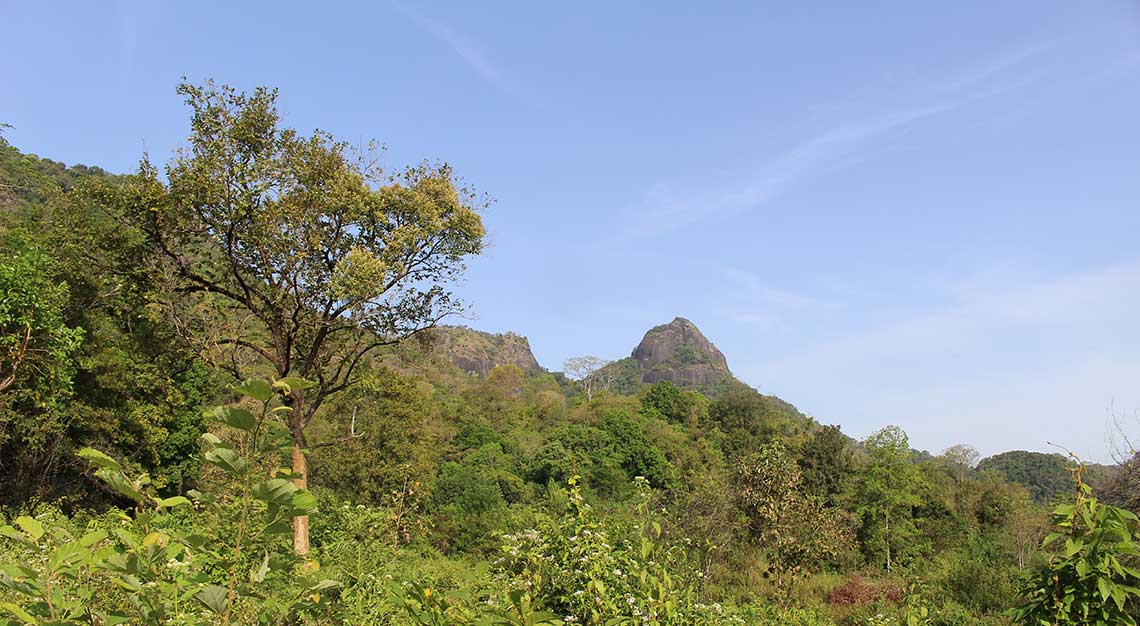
478 352
676 352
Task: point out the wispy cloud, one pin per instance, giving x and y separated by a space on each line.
992 68
665 210
754 301
755 289
467 49
1080 87
1008 362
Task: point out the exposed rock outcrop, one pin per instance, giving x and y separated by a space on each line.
676 352
478 352
680 353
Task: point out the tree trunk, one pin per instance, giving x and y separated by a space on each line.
300 466
888 540
301 522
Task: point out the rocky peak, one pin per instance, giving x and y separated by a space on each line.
478 352
680 353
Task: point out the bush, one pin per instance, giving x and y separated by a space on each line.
220 556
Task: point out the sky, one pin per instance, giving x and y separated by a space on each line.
912 213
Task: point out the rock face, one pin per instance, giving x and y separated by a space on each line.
679 353
478 352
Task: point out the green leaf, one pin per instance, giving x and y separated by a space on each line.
227 459
235 417
1104 587
120 483
12 533
172 501
96 457
258 575
256 388
289 384
92 538
19 613
114 619
1065 510
214 598
322 585
31 526
1073 546
210 439
304 500
276 490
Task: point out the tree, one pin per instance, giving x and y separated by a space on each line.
962 458
1024 529
289 253
750 419
826 464
133 390
36 344
889 492
668 400
586 370
798 532
38 350
392 449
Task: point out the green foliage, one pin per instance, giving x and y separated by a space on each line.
608 456
594 572
798 533
429 608
670 402
134 390
827 464
37 347
178 560
686 354
750 419
469 497
383 441
667 400
1045 475
27 181
887 494
1090 577
443 494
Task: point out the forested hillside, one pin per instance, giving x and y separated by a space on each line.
224 399
1046 476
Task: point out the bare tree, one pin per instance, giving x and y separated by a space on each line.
586 370
963 458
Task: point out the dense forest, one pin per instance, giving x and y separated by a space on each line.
230 393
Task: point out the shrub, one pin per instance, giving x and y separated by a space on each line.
220 556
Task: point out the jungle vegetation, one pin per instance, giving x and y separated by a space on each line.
218 404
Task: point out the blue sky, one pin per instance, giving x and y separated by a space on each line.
925 214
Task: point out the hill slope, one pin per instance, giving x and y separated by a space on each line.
478 352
